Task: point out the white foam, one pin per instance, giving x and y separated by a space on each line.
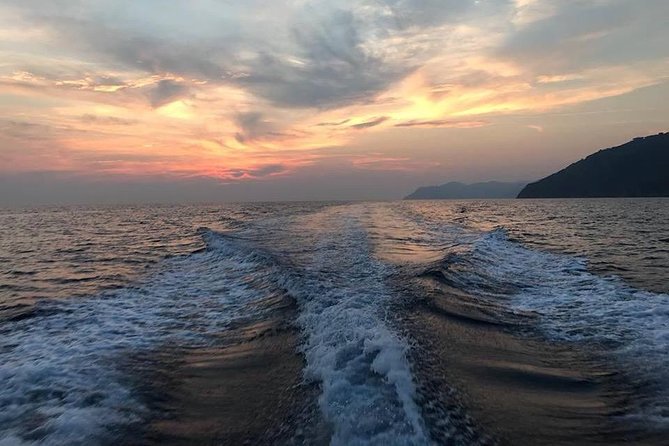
576 305
60 375
367 385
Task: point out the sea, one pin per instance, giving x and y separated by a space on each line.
364 323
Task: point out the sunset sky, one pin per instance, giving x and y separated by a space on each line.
214 100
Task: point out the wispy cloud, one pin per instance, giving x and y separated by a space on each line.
443 123
371 123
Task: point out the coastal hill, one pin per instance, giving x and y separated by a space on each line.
639 168
454 190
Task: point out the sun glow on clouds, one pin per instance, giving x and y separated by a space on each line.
91 92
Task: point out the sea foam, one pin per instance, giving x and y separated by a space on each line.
628 324
350 348
62 369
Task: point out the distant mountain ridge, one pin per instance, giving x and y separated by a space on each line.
455 190
639 168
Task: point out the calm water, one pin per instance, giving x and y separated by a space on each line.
85 290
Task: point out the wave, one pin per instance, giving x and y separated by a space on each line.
368 391
62 369
574 305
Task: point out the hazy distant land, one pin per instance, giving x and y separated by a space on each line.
639 168
454 190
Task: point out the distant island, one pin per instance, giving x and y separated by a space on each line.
454 190
639 168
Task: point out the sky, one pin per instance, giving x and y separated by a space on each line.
230 100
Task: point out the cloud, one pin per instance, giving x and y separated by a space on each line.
252 126
333 124
426 13
316 54
580 34
390 164
25 130
329 65
258 172
373 123
263 89
324 56
166 91
89 118
443 123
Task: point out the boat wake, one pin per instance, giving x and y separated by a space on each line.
570 304
63 368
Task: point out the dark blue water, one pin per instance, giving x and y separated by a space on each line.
84 289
